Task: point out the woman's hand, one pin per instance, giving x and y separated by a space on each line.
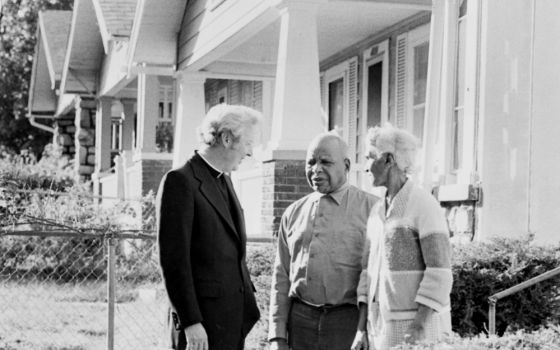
417 330
360 341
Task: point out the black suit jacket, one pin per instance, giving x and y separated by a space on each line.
202 244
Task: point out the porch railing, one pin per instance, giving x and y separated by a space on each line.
493 300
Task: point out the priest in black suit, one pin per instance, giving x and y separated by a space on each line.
202 240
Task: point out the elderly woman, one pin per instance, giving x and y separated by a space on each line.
406 280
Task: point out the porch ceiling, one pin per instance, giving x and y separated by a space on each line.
85 51
340 24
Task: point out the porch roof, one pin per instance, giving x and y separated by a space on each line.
153 41
250 47
115 18
84 52
52 38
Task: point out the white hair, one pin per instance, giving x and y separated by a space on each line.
223 118
400 143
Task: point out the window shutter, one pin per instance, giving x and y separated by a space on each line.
323 88
352 106
400 81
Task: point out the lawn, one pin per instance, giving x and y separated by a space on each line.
49 315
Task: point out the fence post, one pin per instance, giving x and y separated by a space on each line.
111 294
492 316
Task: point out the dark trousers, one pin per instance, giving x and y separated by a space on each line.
322 328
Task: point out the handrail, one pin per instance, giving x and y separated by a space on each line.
493 300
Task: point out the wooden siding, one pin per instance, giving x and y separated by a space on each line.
203 28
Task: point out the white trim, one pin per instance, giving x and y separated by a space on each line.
382 56
416 37
368 60
138 156
468 170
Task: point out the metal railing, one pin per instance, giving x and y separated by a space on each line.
493 300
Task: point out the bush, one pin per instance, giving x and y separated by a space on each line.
545 338
23 171
481 269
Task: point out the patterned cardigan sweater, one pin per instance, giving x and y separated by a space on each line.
408 256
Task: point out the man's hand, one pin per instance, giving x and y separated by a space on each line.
360 341
278 344
196 337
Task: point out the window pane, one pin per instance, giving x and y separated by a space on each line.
375 79
418 122
420 72
460 69
336 103
463 8
457 138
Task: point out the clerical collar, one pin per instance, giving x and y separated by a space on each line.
215 171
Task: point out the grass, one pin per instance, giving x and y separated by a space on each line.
50 315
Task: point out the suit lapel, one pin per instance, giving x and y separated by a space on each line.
212 193
237 213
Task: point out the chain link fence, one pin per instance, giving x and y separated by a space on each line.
69 283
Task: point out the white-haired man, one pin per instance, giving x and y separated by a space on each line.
320 245
201 237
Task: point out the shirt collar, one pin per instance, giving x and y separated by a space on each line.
337 195
218 173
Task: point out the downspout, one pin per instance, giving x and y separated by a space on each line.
38 125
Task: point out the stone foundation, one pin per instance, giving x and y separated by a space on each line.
84 158
64 135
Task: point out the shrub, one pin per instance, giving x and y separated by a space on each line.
481 269
545 338
23 171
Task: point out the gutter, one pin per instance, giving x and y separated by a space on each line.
38 125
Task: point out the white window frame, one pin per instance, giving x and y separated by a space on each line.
416 37
332 74
381 55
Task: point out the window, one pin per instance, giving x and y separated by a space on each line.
116 134
375 97
420 79
164 127
411 79
339 88
336 104
457 125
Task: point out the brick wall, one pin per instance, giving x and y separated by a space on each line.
283 183
152 172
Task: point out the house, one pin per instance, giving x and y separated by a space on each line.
473 79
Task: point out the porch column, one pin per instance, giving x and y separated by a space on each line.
297 115
103 135
191 109
147 111
127 124
440 88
